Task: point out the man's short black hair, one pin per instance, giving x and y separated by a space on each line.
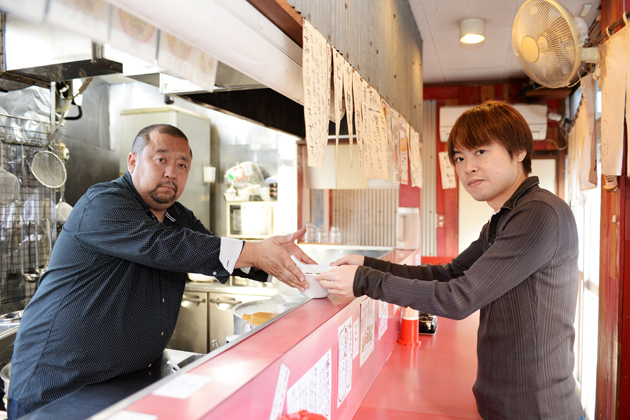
144 136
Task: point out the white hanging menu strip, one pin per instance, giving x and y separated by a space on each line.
395 129
31 10
404 148
339 67
316 68
347 83
133 35
357 85
183 386
281 392
416 159
393 152
367 133
614 68
87 17
344 360
367 329
313 391
378 152
448 171
187 62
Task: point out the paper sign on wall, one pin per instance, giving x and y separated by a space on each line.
344 360
356 337
382 318
281 392
357 91
367 329
316 68
377 152
313 392
448 171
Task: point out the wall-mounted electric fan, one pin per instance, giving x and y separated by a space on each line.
548 39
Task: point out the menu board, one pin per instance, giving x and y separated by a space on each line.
447 170
316 69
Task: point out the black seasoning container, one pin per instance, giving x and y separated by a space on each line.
428 324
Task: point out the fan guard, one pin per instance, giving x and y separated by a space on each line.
546 40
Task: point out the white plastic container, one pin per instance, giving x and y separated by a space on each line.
408 228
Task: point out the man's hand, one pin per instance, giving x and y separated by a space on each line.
273 255
339 281
350 260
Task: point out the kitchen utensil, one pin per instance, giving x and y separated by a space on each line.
62 209
27 275
46 244
48 168
9 183
305 268
240 325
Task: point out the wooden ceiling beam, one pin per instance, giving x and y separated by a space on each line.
283 15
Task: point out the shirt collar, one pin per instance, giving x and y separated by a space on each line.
127 183
522 189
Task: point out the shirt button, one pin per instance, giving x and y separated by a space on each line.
162 333
162 300
214 273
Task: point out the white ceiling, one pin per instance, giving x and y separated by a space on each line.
446 60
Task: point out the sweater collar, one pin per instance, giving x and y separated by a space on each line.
520 191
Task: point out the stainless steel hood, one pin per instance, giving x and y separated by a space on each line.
37 54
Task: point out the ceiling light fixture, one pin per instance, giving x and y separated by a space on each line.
472 31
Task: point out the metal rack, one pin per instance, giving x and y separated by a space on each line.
27 226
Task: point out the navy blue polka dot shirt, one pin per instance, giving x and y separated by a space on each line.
108 304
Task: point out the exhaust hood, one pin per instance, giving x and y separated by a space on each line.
37 54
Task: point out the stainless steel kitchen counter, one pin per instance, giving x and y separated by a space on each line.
251 288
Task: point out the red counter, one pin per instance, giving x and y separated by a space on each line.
296 363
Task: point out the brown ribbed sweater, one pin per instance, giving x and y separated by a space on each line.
522 274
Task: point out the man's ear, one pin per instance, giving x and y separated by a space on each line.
132 160
520 156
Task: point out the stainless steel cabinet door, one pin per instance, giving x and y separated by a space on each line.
191 330
221 316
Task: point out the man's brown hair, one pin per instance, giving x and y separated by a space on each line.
492 122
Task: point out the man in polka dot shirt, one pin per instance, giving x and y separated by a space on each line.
109 301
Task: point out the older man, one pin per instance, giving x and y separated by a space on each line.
108 304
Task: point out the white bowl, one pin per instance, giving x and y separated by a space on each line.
316 290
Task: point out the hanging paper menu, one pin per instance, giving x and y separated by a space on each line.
416 159
404 147
347 82
377 153
367 133
316 68
357 85
339 67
